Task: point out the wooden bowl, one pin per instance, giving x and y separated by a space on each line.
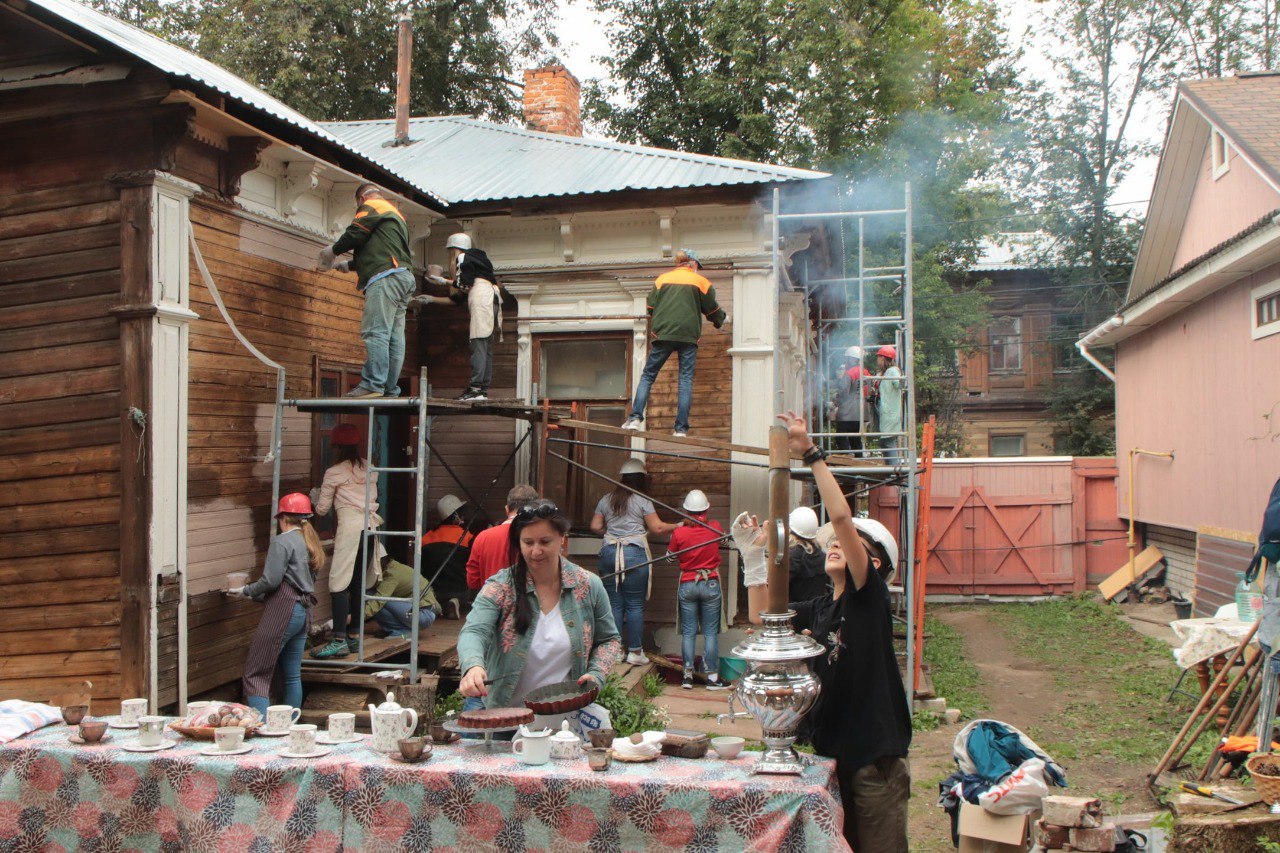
561 698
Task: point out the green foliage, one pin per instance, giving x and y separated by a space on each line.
630 713
1080 411
445 704
653 685
924 721
952 669
336 59
1265 844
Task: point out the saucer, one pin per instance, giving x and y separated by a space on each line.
328 741
137 747
319 752
400 758
214 751
79 741
122 725
270 732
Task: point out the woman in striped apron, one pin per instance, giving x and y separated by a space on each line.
622 518
287 587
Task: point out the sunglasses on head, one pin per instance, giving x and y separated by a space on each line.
537 509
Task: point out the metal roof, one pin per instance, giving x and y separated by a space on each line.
178 62
467 160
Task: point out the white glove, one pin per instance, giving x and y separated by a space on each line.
755 562
327 256
314 495
437 279
343 266
236 592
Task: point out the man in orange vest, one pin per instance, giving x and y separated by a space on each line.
678 302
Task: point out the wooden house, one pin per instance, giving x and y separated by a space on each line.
135 425
1198 339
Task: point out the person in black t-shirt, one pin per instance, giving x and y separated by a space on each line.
862 719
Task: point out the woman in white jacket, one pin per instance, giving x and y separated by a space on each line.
343 490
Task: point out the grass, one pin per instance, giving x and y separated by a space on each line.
1111 680
954 675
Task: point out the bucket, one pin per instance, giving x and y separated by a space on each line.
1182 609
731 668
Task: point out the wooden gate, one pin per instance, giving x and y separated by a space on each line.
1018 526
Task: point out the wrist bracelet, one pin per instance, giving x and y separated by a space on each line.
814 454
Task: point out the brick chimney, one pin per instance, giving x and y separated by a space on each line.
552 100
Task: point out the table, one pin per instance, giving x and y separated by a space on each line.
56 796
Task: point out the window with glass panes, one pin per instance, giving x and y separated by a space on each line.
1006 344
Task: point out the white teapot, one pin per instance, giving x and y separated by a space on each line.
391 723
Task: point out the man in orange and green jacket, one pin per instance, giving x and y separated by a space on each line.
678 302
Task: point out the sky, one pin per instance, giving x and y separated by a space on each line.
581 35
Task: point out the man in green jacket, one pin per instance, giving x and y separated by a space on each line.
395 616
379 238
678 302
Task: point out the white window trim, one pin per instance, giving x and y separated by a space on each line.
1261 292
1219 154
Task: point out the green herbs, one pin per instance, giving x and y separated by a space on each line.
630 713
445 704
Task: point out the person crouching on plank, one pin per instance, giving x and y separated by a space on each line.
287 587
861 718
539 622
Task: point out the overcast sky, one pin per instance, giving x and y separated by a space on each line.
581 33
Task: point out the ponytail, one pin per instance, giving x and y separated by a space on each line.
315 551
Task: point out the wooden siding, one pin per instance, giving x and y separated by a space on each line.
1219 209
1219 561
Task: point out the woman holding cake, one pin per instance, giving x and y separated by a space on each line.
539 622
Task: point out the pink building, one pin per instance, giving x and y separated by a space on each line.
1197 343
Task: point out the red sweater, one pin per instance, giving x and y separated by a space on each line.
490 554
706 558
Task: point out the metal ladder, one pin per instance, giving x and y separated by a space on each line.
370 538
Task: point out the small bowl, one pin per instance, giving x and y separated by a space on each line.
73 714
728 747
439 733
91 731
602 738
598 757
411 748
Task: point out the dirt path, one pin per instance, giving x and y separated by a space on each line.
1020 691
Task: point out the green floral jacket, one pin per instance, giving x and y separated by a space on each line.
489 638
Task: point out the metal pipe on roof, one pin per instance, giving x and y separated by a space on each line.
404 62
1082 345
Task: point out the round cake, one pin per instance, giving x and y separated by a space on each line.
495 718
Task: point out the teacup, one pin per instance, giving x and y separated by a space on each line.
342 726
150 731
73 714
131 710
302 739
728 747
411 748
280 717
599 757
439 733
228 738
532 747
91 731
601 737
196 707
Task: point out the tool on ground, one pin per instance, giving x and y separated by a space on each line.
1206 791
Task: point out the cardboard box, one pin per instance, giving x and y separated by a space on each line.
984 832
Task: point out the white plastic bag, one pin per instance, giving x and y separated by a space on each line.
589 719
1020 792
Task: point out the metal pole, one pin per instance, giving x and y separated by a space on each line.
778 275
419 512
779 511
277 431
667 453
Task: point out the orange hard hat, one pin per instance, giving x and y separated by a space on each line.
345 434
890 353
295 503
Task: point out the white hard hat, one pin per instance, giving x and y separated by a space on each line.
854 353
632 466
448 505
696 501
803 522
880 535
461 240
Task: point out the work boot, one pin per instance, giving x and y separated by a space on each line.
336 649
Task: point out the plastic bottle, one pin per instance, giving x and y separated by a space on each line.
1248 600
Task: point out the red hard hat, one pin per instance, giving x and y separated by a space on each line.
345 434
890 353
295 504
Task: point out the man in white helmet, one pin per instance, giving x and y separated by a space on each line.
851 392
699 594
445 551
473 282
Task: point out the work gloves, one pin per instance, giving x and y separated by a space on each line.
747 535
327 256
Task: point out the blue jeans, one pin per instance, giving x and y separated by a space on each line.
893 450
394 617
382 329
472 703
700 600
627 599
659 352
289 664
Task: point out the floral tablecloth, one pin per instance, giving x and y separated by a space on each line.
58 796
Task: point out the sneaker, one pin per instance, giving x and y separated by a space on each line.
472 395
681 433
687 681
633 423
335 649
714 683
353 643
361 392
455 608
637 658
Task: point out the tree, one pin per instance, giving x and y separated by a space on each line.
336 59
1218 37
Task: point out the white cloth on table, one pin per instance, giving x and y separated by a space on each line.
18 717
1207 638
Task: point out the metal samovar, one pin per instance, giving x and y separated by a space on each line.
778 688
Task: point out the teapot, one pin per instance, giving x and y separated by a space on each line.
390 723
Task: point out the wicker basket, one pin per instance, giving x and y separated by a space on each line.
1268 786
204 732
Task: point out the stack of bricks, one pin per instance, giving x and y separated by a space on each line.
1076 823
552 101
